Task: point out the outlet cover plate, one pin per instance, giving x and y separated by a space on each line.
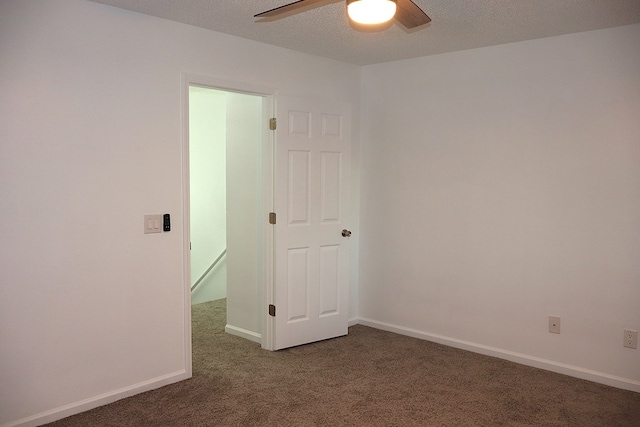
554 324
630 338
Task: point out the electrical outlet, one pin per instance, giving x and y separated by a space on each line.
554 324
630 338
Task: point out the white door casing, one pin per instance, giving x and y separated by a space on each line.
311 200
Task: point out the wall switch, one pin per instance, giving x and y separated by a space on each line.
153 224
630 338
554 324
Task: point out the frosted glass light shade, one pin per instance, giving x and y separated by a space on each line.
371 11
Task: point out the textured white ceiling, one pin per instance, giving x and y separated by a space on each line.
457 24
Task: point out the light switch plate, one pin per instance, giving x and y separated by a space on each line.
153 224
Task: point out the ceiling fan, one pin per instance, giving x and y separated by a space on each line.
406 12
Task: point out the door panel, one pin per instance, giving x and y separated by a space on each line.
329 267
298 274
330 191
312 179
299 190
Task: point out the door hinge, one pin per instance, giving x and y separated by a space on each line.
272 310
273 123
272 217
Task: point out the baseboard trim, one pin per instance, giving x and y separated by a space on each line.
536 362
100 400
353 322
243 333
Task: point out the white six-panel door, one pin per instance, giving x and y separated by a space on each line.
312 165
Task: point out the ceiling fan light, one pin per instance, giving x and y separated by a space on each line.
371 11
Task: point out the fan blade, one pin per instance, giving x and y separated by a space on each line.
410 15
286 8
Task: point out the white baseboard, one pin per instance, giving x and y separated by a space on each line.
536 362
243 333
100 400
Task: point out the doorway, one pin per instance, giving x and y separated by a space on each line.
208 192
312 178
228 196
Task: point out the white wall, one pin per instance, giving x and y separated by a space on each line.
91 309
500 186
208 191
246 216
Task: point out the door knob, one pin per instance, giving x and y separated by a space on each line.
346 233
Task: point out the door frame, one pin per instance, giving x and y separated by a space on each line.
267 269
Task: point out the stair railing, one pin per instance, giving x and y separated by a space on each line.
195 285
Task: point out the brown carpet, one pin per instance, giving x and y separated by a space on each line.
368 378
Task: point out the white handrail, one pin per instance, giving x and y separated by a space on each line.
195 285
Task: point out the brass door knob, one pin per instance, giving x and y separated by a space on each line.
346 233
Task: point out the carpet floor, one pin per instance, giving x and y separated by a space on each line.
367 378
